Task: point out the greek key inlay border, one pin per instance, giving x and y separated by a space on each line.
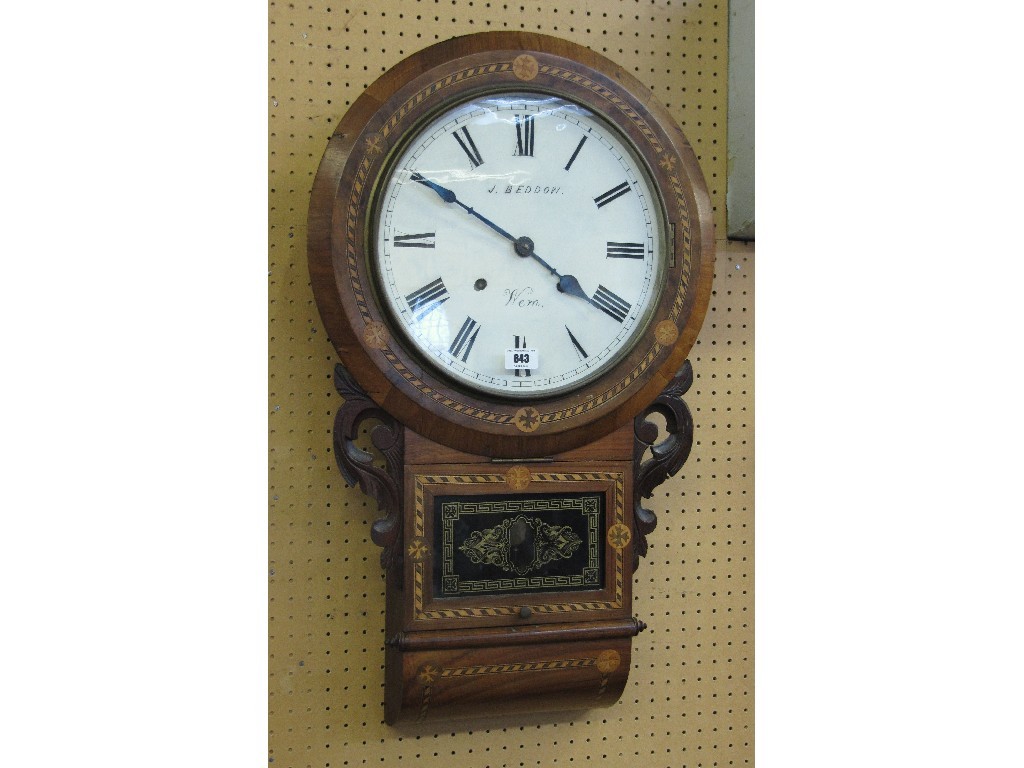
419 569
454 586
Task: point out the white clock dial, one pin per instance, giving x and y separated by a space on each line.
519 222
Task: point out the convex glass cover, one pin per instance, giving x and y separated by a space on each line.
519 244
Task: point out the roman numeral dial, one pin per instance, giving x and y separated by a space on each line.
575 153
612 194
465 339
518 221
612 305
468 146
576 345
425 300
524 135
422 240
519 342
618 250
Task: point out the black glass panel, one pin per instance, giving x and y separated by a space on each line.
532 542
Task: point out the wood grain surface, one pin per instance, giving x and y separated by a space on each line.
340 225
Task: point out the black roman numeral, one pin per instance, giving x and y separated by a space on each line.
624 250
464 339
524 135
468 147
575 342
610 304
575 152
422 240
612 194
520 343
428 298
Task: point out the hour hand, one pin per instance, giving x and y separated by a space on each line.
603 299
569 284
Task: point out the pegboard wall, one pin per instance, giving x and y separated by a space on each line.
689 699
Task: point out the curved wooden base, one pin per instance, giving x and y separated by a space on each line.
514 675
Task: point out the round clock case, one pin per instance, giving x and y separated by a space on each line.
510 244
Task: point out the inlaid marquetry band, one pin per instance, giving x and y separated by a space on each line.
619 536
369 157
605 663
419 567
417 549
518 478
527 419
666 332
376 335
525 67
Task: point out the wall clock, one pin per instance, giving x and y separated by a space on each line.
511 247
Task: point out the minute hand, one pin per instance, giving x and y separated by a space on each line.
523 245
449 197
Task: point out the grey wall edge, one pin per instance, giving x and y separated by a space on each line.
739 193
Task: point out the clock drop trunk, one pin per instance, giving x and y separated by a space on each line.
513 591
511 272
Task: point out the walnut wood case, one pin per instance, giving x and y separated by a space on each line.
342 204
467 481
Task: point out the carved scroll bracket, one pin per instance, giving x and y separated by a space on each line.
667 457
357 467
